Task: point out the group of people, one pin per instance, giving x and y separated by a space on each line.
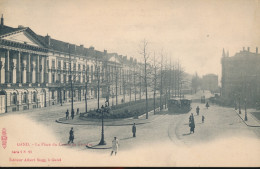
72 113
191 118
115 142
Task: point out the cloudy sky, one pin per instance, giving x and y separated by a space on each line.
193 31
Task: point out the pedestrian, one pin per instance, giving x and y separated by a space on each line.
77 111
207 105
198 110
192 125
203 119
134 130
72 114
71 138
115 144
67 114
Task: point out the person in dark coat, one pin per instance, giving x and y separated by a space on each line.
203 119
77 111
192 124
67 114
71 138
207 105
72 114
134 130
198 110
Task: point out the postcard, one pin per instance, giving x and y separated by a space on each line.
129 83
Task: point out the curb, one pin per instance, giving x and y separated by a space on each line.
244 120
126 124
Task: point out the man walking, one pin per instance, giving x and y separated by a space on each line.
203 119
207 105
115 144
71 138
198 110
134 130
67 114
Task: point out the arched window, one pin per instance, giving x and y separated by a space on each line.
25 97
34 97
14 98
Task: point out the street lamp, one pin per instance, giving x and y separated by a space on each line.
245 111
239 107
102 141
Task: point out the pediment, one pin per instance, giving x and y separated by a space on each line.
114 59
23 37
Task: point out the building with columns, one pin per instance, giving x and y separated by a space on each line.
38 71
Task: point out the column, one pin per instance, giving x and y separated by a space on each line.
2 71
37 71
7 67
28 73
18 68
24 78
33 70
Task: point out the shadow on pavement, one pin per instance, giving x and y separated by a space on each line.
126 138
186 134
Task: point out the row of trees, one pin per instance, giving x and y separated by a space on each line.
156 76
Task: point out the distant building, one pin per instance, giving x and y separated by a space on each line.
210 82
241 76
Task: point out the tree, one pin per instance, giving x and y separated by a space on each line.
195 82
145 54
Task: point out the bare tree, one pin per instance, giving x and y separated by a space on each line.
145 54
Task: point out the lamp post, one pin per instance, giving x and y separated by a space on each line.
102 141
245 111
239 107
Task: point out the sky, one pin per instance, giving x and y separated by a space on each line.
191 31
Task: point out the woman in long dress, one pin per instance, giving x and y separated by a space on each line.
115 144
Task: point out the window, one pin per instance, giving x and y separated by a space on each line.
79 67
53 78
59 78
64 65
59 64
48 64
74 66
53 64
84 67
14 98
34 97
79 78
91 72
84 78
64 78
24 97
52 94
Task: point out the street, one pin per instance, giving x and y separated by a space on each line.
165 140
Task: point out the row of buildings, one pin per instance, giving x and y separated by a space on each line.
241 77
35 71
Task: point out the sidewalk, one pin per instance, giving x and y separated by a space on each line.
252 121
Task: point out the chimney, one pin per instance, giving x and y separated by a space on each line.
48 40
248 49
243 48
81 46
105 52
256 50
2 21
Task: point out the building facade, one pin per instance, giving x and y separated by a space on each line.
241 76
38 71
210 82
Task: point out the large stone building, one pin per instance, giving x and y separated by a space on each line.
35 71
241 76
210 82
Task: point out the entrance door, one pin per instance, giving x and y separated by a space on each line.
2 102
